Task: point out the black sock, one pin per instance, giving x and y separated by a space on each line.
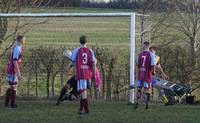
86 107
148 96
81 104
13 97
62 93
7 98
147 99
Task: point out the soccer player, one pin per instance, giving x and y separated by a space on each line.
145 69
13 72
98 80
84 60
155 83
70 84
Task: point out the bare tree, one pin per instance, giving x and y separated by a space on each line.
189 25
152 27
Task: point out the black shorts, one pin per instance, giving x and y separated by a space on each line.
12 83
73 85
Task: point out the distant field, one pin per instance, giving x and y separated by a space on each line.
66 31
101 112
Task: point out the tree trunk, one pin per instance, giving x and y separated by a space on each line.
141 32
0 90
48 80
28 82
52 85
109 83
103 80
62 70
95 93
3 26
192 53
36 84
28 87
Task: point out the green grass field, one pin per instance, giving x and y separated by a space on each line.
101 112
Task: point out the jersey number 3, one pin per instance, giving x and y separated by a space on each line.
85 58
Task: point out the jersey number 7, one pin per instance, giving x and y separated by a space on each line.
143 60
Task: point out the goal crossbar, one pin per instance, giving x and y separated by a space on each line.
65 14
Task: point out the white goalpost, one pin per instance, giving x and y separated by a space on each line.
132 37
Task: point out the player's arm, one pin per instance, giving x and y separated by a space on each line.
16 54
159 67
93 65
73 56
137 61
16 67
70 66
72 59
152 63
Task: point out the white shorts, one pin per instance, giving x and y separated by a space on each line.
83 85
12 79
144 84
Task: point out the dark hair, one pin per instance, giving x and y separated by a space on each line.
19 37
153 48
83 39
146 43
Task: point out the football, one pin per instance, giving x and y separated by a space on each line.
67 53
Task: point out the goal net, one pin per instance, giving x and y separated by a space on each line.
114 37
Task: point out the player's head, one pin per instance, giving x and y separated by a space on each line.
83 40
146 45
152 49
21 39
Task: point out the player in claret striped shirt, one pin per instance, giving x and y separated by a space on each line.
145 70
13 71
84 60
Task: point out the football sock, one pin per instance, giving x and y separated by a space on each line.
62 93
81 104
86 106
147 99
13 97
7 98
139 93
163 97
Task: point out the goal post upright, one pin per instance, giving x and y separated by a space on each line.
132 57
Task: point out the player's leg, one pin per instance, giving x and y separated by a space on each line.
86 104
156 85
62 93
82 87
13 95
65 89
79 89
98 89
8 96
73 93
162 95
139 93
11 91
147 87
85 101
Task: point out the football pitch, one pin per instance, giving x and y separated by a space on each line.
101 112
